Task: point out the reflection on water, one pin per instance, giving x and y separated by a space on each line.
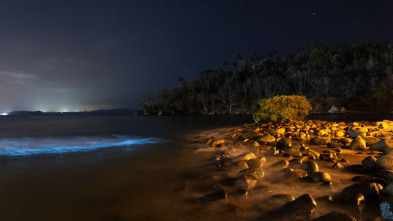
38 145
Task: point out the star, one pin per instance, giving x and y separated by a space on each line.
314 13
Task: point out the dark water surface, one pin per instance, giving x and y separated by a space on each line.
114 182
118 182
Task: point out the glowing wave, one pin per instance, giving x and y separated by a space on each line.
37 145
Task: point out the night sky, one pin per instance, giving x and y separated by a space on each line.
83 55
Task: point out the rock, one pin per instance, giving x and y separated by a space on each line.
369 162
370 140
385 162
301 208
280 199
320 140
328 156
238 166
251 135
353 124
382 125
257 173
272 151
217 143
277 131
382 145
310 166
360 131
328 184
215 196
296 175
367 179
284 143
389 189
337 165
313 153
245 182
334 145
256 163
358 144
294 152
339 133
244 156
334 109
321 177
366 189
280 164
267 139
336 216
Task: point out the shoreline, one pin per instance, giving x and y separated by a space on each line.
234 185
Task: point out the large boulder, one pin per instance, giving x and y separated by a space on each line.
385 162
358 144
369 162
370 140
335 216
365 189
358 131
382 145
310 166
284 144
301 208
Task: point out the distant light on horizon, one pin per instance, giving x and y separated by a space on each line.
4 114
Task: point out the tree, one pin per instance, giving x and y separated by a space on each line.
282 108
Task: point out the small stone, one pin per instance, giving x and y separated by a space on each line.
310 166
358 144
321 177
337 165
280 199
281 164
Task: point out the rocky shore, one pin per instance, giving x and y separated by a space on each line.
300 170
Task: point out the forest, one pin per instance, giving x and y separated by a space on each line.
358 77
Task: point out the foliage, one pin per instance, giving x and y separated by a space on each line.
358 77
282 108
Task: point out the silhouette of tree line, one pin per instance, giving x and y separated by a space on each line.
358 77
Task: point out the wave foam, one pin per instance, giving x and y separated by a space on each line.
40 145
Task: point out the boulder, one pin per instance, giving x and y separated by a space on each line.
313 153
280 199
245 182
215 196
382 125
256 163
382 145
217 143
334 109
336 216
301 208
370 140
359 131
256 173
339 133
251 135
244 156
284 144
369 162
238 166
321 177
277 131
280 164
320 140
366 189
293 151
358 144
267 139
272 151
310 166
385 162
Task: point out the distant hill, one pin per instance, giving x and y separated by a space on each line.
102 112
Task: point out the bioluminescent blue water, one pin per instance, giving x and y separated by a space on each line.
50 145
